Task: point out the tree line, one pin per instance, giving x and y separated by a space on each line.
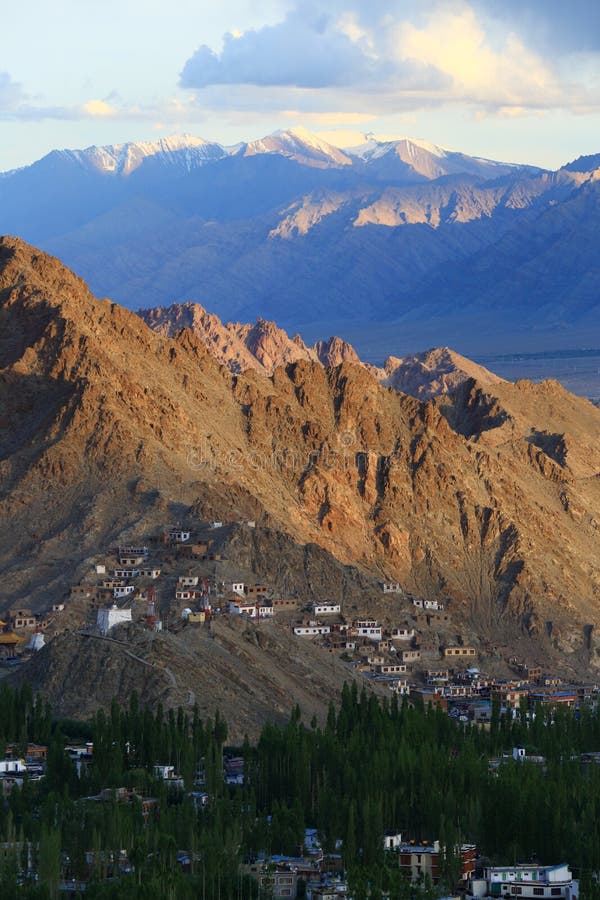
372 766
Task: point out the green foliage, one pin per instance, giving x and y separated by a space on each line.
372 767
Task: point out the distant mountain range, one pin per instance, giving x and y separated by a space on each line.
394 245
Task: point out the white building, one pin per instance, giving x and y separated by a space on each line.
12 766
187 581
432 604
265 611
238 587
399 686
126 573
392 840
109 618
242 609
391 587
428 604
311 630
326 609
168 774
180 536
368 628
150 572
123 591
531 882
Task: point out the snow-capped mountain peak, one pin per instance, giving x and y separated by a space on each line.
185 151
423 160
300 144
372 148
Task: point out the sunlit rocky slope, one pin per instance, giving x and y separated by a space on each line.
486 497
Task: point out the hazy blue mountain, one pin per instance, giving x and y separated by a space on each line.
401 242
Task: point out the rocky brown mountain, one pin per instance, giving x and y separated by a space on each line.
264 347
486 497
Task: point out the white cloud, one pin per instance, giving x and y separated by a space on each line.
11 93
170 110
99 108
304 51
503 76
387 56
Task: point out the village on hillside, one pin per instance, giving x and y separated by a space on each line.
182 578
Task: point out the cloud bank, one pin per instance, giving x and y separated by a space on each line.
500 59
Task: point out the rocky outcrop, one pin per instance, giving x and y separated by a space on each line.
264 347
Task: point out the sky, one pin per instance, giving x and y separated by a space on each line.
516 80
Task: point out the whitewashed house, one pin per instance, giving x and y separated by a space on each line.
265 610
432 605
124 590
368 628
243 608
311 630
326 609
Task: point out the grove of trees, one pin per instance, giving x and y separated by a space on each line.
371 767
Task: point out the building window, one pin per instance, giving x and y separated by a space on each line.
538 892
556 892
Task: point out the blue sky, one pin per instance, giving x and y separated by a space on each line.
509 79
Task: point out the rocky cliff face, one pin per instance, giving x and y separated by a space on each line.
486 497
264 347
